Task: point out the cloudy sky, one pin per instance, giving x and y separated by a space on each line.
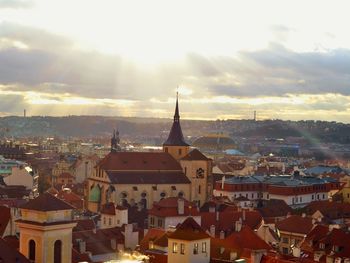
284 59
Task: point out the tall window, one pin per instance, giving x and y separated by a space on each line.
199 189
58 251
32 250
180 151
204 247
175 249
182 248
166 149
195 248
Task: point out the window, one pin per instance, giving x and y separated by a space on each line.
110 221
152 220
195 248
166 149
58 251
322 246
180 151
160 222
175 247
324 196
199 189
204 247
104 220
182 248
32 250
285 250
285 240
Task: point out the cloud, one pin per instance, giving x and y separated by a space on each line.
46 72
15 4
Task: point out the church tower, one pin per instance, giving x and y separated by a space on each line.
175 145
46 230
115 142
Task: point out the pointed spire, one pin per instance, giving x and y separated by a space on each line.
177 115
115 141
175 135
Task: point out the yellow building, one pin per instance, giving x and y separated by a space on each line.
141 178
46 230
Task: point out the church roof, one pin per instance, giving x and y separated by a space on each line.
151 177
47 202
139 161
195 155
176 137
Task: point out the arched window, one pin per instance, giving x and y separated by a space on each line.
32 250
162 195
57 252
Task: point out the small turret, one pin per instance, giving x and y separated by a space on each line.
115 141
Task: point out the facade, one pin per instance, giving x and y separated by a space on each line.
295 191
46 230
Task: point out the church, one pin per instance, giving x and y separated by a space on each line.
141 178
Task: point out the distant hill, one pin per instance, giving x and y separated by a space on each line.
143 128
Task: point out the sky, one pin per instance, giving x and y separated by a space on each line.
284 59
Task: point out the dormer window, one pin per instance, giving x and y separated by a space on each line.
195 248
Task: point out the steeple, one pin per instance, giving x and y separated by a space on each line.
115 141
177 115
176 137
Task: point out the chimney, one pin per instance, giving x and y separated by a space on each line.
303 215
217 215
212 231
243 214
180 206
113 243
238 225
222 234
211 209
82 246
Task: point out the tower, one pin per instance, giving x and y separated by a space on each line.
46 230
175 145
115 142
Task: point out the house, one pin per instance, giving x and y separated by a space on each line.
189 243
171 211
292 231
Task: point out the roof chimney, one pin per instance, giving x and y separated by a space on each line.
212 230
180 206
222 234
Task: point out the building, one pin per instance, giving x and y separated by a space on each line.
46 230
292 231
141 178
171 211
296 191
189 243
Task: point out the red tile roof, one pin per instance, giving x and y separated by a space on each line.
189 230
84 224
226 220
331 210
149 177
5 218
10 254
242 242
139 161
47 202
108 209
295 224
168 207
151 235
195 155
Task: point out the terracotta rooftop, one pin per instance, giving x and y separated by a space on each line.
149 177
10 254
47 202
189 230
139 161
4 218
168 207
295 224
195 155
